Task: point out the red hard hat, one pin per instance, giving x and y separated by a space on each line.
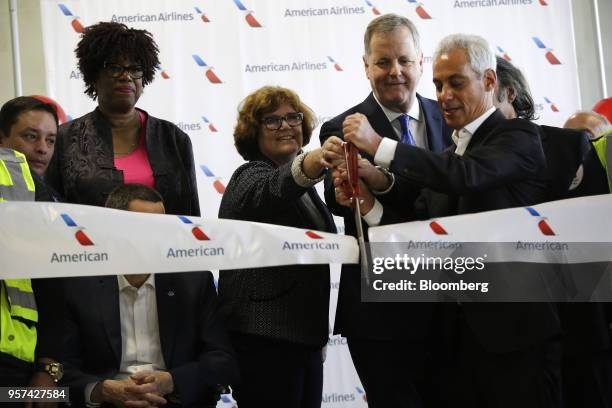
61 115
604 107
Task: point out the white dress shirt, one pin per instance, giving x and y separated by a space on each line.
140 344
418 128
463 136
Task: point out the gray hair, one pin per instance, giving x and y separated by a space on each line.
388 23
479 53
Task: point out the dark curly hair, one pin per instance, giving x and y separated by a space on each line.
108 41
252 110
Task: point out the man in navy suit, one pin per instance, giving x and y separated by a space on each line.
387 341
503 355
148 339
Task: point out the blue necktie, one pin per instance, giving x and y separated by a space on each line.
404 121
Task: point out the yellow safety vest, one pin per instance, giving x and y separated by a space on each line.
18 318
18 313
604 152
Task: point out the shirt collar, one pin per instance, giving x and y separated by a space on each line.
123 282
471 128
414 112
475 124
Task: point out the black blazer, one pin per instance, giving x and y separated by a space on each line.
565 150
287 303
194 343
584 325
380 320
594 178
44 192
49 294
83 169
503 167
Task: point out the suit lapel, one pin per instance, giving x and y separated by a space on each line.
323 210
433 124
487 127
108 303
167 298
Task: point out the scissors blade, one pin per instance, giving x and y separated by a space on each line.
363 258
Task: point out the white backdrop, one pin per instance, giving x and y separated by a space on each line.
213 53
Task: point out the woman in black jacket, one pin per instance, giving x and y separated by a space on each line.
277 316
118 143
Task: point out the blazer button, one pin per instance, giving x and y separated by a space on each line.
171 293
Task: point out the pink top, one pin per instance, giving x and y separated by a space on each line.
136 167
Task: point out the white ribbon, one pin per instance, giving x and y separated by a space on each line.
60 240
572 231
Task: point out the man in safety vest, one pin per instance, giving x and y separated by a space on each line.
603 147
600 131
29 126
20 352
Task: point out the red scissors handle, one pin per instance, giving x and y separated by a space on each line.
351 187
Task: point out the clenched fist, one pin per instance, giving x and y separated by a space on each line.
358 131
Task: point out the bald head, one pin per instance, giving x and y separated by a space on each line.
589 121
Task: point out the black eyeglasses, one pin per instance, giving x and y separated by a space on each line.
116 70
293 119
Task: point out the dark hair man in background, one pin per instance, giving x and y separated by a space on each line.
587 358
29 126
154 338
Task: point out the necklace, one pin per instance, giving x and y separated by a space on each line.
131 146
130 149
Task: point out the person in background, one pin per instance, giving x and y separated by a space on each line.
277 316
30 346
600 130
573 169
118 143
149 339
29 126
603 147
594 123
587 355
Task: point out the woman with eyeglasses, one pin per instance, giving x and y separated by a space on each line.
118 143
277 316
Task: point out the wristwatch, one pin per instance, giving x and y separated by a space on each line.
55 370
390 179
